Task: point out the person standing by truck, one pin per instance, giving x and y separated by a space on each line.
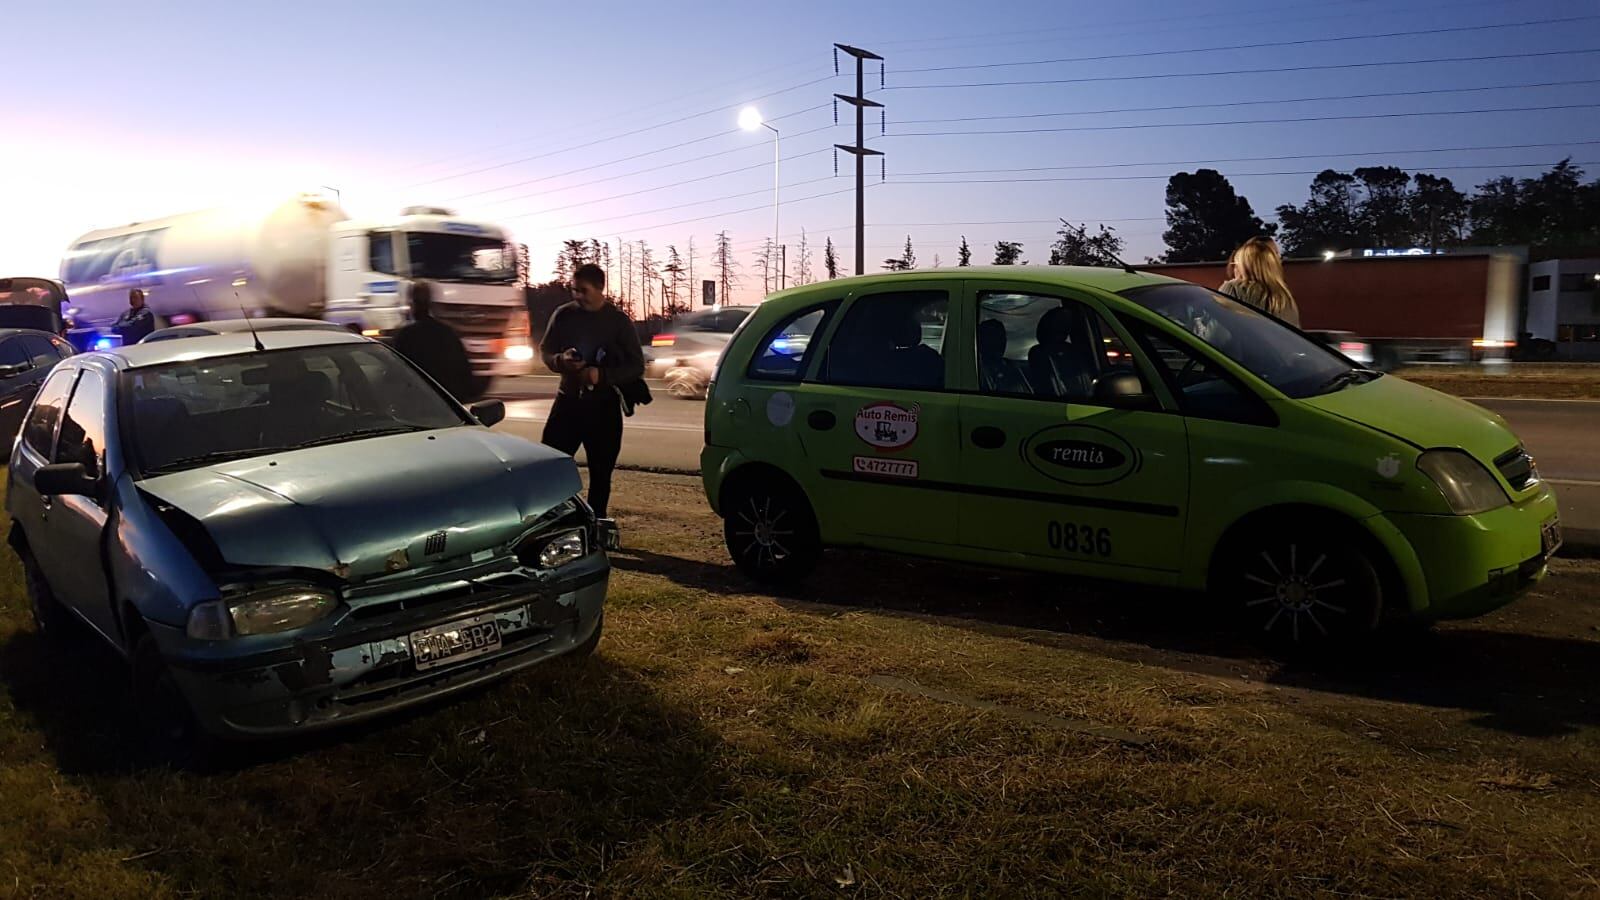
137 321
592 345
435 347
1256 278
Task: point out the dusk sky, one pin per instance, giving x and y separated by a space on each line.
124 112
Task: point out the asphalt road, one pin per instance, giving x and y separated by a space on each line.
1561 434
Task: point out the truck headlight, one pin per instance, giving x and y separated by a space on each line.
264 611
1467 485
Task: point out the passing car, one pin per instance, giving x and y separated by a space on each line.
235 326
1347 344
289 538
694 338
26 357
1122 426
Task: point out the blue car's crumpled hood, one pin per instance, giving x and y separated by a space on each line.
367 508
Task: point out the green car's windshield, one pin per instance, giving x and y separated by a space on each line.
188 414
1272 351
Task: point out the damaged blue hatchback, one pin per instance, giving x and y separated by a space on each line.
285 535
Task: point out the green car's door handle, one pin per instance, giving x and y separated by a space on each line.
988 437
821 420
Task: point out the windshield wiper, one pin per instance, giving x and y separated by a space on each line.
216 456
1346 378
360 434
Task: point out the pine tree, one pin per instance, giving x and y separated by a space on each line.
1008 253
726 266
908 257
802 273
963 253
830 260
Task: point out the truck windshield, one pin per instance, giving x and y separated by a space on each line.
1269 349
195 413
461 257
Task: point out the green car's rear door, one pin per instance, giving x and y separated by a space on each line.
878 423
1051 475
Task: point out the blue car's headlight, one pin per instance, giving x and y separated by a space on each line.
267 610
568 546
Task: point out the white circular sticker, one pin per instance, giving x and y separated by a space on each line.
886 425
780 409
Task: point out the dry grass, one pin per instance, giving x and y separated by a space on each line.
1529 380
726 742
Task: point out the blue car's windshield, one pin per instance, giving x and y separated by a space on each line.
1272 351
188 414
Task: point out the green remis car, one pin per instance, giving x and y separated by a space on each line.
1115 425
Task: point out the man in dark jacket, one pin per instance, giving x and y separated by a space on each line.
591 344
435 347
137 321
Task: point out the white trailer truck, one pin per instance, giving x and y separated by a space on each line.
305 258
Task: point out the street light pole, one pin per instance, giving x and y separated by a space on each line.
750 119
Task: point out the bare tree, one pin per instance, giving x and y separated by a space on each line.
673 295
693 287
767 263
802 265
726 266
647 277
937 262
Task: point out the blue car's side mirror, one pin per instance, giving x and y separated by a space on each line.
489 413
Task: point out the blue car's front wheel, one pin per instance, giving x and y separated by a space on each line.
167 726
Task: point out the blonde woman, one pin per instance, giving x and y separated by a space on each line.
1256 278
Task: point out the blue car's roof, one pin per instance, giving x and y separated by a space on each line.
213 345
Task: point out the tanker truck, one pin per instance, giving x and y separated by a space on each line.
306 258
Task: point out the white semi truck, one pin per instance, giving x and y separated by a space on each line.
306 258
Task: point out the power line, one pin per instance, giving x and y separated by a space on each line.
1533 165
1233 103
571 225
1268 71
1295 119
645 171
1203 162
1301 42
624 134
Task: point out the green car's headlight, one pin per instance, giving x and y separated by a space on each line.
1467 485
267 610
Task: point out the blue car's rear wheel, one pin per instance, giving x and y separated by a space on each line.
50 618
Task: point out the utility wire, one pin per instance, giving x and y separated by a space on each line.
1531 165
1295 119
1301 42
1268 71
1234 103
646 212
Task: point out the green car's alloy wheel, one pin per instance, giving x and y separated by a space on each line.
1302 587
770 530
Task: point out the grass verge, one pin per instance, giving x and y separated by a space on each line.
732 743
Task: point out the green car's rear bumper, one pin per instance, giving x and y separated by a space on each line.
1474 564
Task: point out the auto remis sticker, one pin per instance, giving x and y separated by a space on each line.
1081 454
887 426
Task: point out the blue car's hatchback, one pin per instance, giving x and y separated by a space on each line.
285 538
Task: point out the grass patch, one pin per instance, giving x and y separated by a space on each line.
728 743
1529 380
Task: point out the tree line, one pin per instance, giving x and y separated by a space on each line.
1556 213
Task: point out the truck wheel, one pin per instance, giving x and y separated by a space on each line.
770 530
1300 587
168 731
50 618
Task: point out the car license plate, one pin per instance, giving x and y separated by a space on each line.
443 644
1550 537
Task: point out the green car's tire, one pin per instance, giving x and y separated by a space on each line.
1300 587
770 530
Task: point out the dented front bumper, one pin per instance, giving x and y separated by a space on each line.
362 666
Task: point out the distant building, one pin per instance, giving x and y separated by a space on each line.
1564 306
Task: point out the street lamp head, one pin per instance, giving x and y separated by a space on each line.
750 118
